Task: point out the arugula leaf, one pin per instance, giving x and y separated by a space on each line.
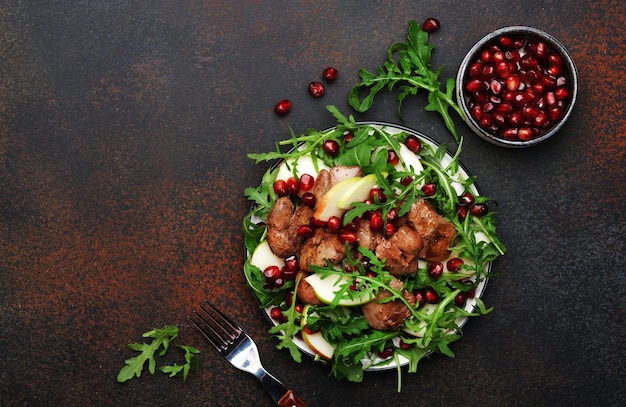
190 360
408 67
161 339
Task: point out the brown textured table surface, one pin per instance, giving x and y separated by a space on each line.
124 129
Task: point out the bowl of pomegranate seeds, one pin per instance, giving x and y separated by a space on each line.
517 86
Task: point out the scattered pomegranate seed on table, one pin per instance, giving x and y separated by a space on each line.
330 74
316 89
430 25
283 107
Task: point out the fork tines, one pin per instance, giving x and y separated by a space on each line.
215 326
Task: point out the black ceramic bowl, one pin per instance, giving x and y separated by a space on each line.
517 86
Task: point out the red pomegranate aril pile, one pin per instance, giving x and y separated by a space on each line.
517 88
316 89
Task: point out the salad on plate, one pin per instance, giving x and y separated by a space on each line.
368 246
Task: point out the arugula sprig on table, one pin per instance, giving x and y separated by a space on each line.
408 68
161 340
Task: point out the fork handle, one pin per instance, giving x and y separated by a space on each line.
281 395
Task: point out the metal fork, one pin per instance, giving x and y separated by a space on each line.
239 349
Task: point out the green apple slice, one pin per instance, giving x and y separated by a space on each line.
327 206
264 257
316 340
358 192
326 289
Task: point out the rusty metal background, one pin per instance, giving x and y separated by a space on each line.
124 129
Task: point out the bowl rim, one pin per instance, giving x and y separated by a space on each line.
526 31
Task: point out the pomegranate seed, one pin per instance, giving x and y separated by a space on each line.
348 236
288 274
406 346
281 188
504 108
331 147
486 56
504 69
431 296
276 314
498 56
317 89
466 199
460 299
352 226
512 82
292 263
525 133
510 134
454 263
305 231
317 223
308 330
475 70
334 223
555 70
419 298
477 112
271 273
308 199
430 25
555 113
385 354
485 121
413 144
429 189
462 213
376 195
392 215
480 209
392 157
561 93
495 87
299 308
505 41
530 111
330 74
516 118
390 229
376 221
406 181
348 137
283 107
306 182
475 85
435 270
293 186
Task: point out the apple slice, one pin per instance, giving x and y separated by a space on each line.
264 257
316 340
358 192
304 165
327 206
326 289
410 160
